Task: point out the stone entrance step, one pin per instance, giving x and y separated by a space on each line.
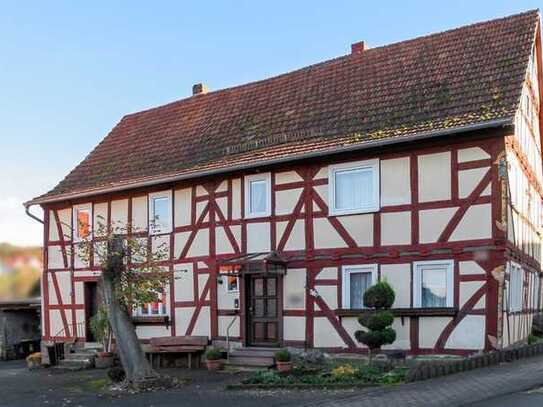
252 357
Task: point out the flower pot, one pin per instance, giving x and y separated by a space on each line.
284 367
103 360
215 364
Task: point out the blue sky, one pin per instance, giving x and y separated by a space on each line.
70 70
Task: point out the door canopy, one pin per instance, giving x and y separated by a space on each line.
271 263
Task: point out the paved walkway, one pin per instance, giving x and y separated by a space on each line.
22 388
455 390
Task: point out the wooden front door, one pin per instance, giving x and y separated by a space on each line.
91 308
263 310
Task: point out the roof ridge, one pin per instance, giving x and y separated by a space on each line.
328 61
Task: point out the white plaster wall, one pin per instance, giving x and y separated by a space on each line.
395 228
328 273
469 179
258 237
294 328
475 224
470 267
55 259
64 285
183 206
399 277
325 235
182 319
403 340
429 330
200 244
287 177
65 217
469 334
296 238
325 335
467 289
236 198
294 283
472 154
225 299
203 324
395 181
223 245
140 217
224 321
100 216
183 282
359 227
119 215
434 176
432 222
81 259
329 294
285 201
55 323
146 332
53 229
79 293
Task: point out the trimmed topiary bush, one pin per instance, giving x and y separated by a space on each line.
377 321
282 356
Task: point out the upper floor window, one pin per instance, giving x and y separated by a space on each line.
354 187
433 284
160 212
82 221
257 195
355 281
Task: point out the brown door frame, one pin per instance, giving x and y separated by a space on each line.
87 299
245 319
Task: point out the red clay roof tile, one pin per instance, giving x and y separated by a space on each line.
456 78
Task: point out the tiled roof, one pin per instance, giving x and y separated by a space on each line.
456 78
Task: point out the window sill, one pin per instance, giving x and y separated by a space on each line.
404 312
151 320
334 213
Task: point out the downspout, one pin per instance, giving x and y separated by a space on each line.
27 210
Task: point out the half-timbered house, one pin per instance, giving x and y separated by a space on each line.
282 200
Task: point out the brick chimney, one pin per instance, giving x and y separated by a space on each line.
358 47
199 89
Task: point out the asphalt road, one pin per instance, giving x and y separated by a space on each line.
532 398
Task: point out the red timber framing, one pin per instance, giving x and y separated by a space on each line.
212 203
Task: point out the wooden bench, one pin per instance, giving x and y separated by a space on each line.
191 345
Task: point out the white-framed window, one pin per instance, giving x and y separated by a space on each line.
231 284
516 287
152 309
82 221
258 195
160 212
353 187
355 281
433 284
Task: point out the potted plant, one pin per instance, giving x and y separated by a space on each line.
213 359
99 325
283 361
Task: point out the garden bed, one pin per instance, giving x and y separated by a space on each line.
327 376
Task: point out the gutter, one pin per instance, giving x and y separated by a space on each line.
343 149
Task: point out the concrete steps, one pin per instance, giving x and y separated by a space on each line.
81 357
252 357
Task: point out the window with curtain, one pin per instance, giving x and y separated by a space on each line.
433 284
160 212
354 187
356 280
258 195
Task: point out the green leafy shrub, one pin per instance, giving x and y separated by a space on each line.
378 320
282 356
533 339
213 354
379 296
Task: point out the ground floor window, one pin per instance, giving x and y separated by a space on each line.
355 281
433 284
157 308
516 287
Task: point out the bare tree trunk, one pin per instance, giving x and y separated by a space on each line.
133 359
